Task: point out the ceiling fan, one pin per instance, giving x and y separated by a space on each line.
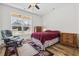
33 5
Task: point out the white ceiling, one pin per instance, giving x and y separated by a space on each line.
44 7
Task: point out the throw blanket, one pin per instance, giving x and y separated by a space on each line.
44 36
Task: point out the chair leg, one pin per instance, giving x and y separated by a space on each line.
16 51
6 51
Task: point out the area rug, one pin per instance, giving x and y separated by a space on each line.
27 50
41 52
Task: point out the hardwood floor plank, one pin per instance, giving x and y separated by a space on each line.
65 50
61 50
56 53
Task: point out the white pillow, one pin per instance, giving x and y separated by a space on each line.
44 29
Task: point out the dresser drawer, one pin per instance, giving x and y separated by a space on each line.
67 35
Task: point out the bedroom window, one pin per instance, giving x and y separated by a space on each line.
21 25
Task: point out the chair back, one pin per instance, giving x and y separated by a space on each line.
6 33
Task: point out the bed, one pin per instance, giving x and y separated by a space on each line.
46 38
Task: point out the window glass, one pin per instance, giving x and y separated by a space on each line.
20 24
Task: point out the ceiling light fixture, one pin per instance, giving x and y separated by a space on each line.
33 5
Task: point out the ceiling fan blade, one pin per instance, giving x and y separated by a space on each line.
37 6
29 6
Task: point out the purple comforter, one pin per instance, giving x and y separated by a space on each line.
44 36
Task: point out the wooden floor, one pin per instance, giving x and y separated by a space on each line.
61 50
57 50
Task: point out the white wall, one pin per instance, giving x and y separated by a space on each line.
63 19
5 16
78 18
0 16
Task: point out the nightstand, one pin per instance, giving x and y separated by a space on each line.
38 29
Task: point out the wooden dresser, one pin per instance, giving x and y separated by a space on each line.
69 39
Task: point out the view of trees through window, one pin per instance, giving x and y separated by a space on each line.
20 24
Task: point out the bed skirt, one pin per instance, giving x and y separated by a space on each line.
46 44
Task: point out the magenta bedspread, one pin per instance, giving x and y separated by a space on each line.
44 36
